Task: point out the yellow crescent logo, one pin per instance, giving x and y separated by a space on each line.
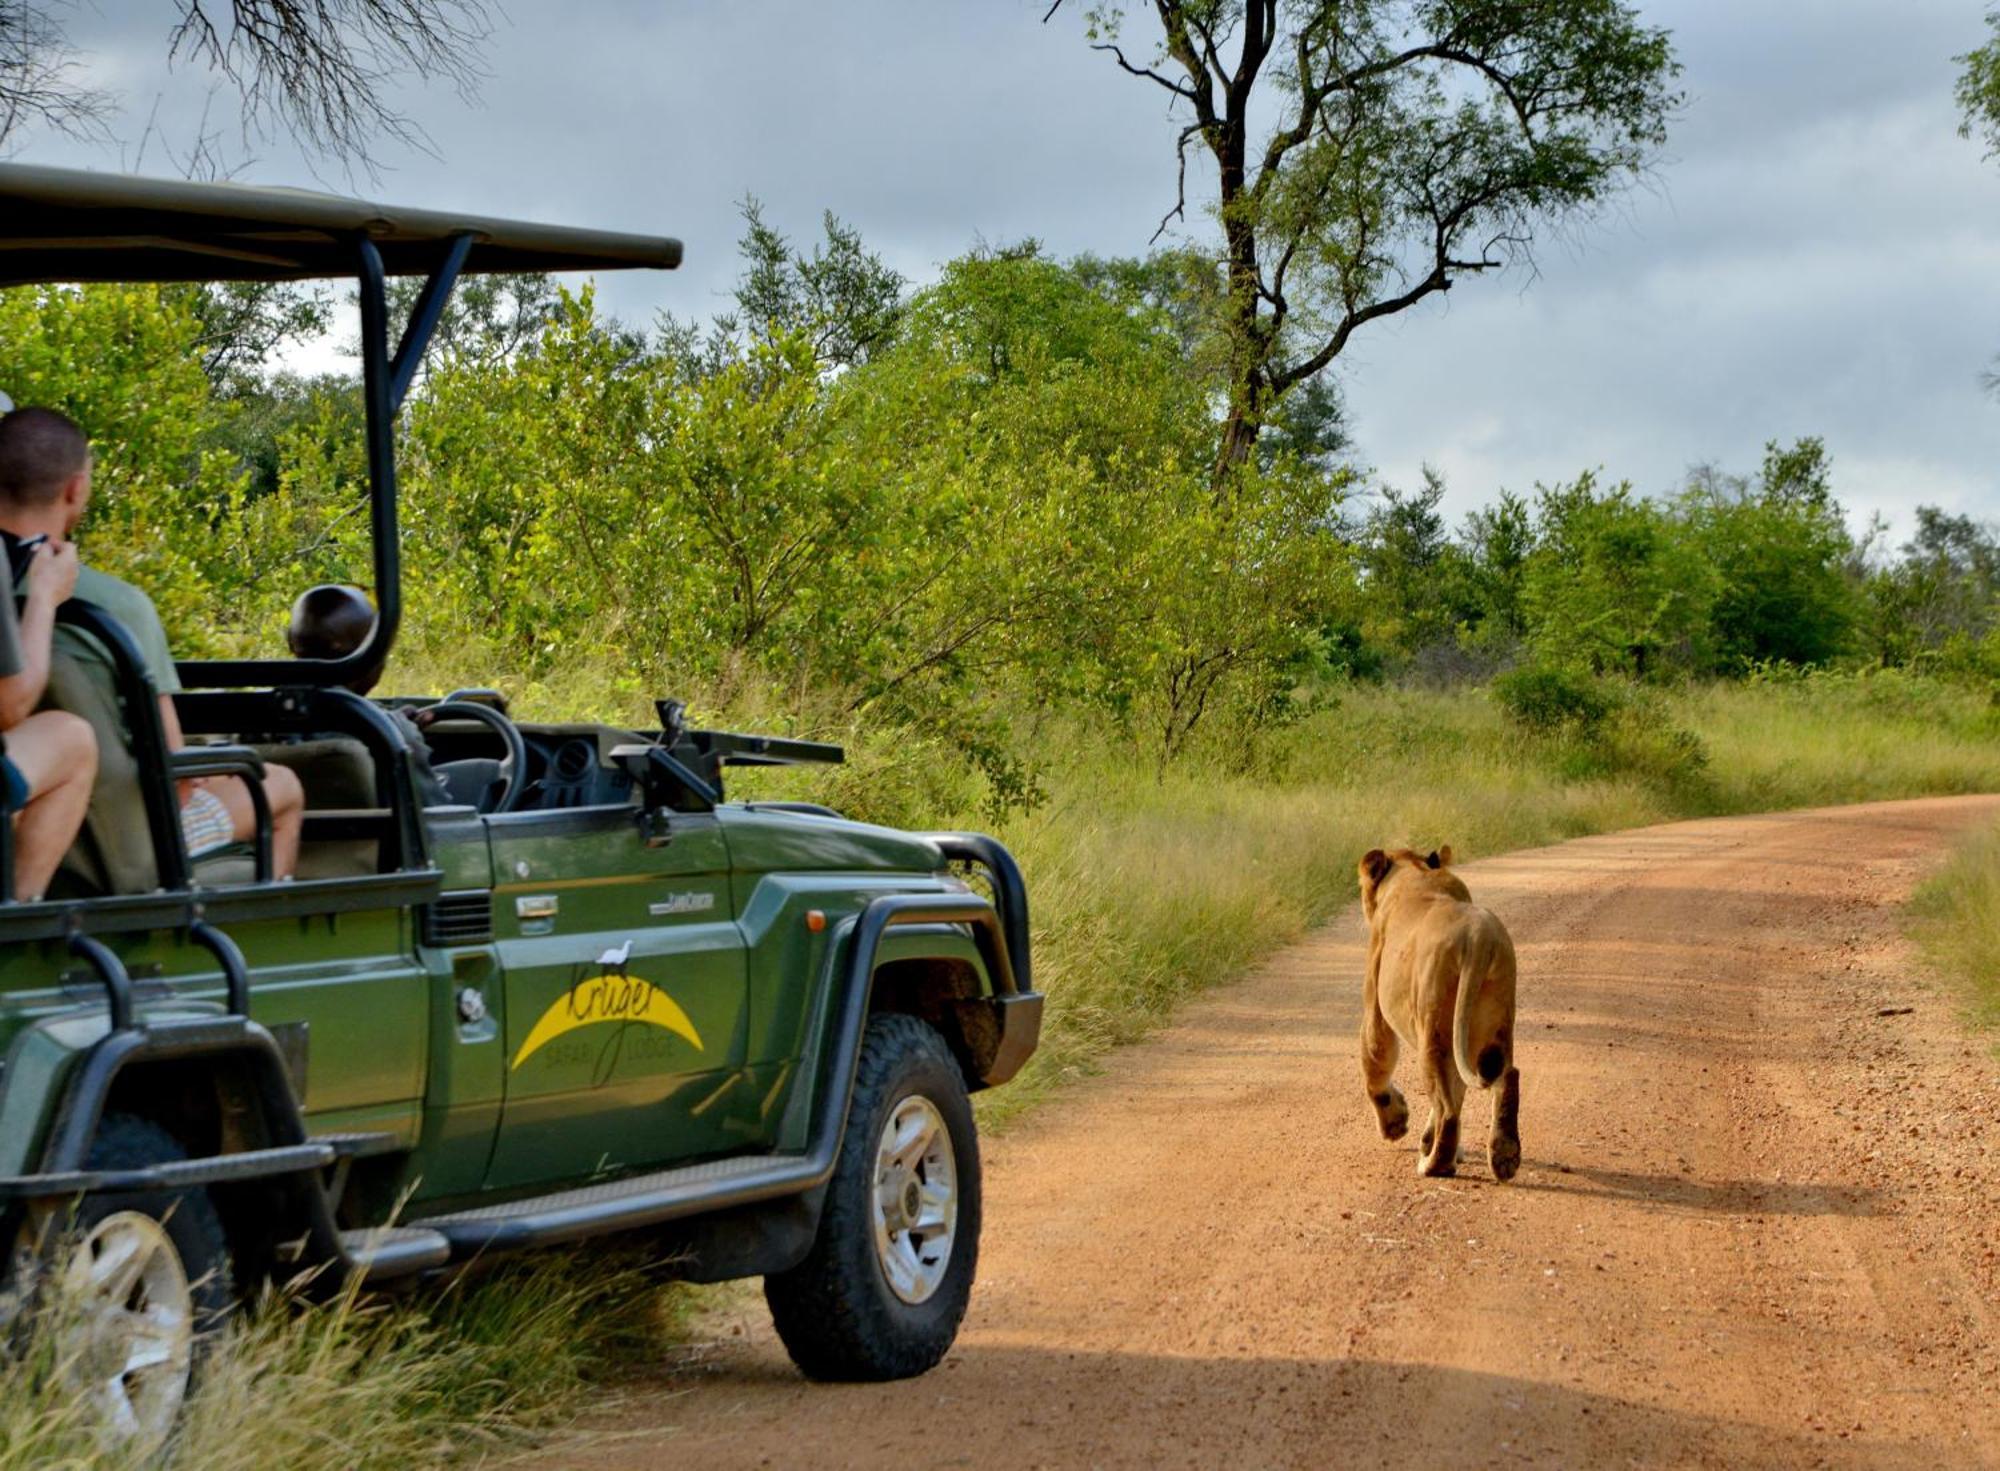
616 997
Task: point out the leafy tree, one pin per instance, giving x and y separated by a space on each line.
243 324
125 363
1615 584
1978 98
1417 585
1499 540
1944 589
1978 89
487 319
1369 155
1779 549
842 299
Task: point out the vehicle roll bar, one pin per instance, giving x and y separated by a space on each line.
235 973
110 970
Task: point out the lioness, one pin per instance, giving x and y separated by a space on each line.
1441 980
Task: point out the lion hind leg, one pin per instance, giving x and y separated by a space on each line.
1504 1149
1447 1090
1378 1062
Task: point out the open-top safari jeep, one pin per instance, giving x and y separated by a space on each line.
595 998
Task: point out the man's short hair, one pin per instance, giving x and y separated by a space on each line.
330 621
40 449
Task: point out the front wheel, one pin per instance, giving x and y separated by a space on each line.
885 1286
132 1285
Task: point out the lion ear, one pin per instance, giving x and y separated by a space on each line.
1431 858
1444 856
1375 863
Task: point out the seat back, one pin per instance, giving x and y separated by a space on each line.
114 853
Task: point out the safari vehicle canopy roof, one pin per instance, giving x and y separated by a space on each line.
76 225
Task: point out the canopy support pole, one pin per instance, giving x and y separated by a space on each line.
385 383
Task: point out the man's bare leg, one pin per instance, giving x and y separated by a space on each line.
288 805
56 754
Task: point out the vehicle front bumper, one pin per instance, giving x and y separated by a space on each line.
1020 1020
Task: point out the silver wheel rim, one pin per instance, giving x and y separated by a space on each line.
129 1313
916 1199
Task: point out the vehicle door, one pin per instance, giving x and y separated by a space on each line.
626 993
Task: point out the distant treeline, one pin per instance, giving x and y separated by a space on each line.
952 509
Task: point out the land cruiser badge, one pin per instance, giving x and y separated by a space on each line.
694 901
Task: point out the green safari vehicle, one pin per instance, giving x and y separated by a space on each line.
590 996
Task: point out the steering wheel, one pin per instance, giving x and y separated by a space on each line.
482 774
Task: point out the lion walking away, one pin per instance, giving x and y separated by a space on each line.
1440 981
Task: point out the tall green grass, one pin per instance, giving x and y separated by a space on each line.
1955 918
1150 887
1147 886
360 1383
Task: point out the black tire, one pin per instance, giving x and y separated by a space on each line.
125 1141
192 1230
835 1311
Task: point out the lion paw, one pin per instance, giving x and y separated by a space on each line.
1505 1157
1394 1117
1440 1168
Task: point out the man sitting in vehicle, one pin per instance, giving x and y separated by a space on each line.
331 621
50 757
46 493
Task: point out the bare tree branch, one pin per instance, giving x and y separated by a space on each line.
39 80
1178 89
322 69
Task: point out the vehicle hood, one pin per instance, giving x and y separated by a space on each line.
763 839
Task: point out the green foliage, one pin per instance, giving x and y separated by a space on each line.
1955 917
842 299
126 362
1593 728
1780 551
1978 89
1548 701
1613 586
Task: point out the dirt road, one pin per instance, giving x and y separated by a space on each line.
1758 1221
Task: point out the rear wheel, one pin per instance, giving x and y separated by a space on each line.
885 1286
138 1280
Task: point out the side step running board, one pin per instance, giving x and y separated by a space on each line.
622 1205
382 1252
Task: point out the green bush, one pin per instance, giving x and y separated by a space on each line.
1549 701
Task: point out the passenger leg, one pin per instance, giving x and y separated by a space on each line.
288 801
56 754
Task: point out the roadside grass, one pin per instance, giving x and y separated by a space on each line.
1147 886
360 1382
1955 920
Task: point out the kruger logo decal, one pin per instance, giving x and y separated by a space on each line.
610 995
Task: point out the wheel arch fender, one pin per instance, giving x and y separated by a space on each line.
218 1085
939 978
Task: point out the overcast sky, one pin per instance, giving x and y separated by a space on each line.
1819 253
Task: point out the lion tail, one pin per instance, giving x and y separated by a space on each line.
1474 967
